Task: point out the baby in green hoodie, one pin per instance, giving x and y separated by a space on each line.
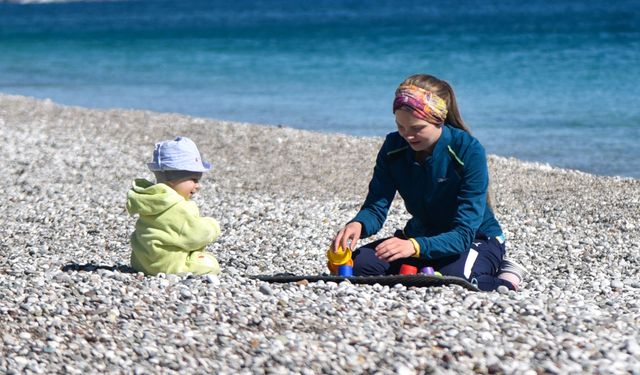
170 235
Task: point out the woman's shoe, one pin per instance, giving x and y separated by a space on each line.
512 267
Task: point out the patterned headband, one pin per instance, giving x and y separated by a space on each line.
424 104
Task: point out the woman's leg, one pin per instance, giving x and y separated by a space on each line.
479 265
366 263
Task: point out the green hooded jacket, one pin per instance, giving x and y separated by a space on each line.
170 235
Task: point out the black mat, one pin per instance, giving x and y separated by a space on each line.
419 280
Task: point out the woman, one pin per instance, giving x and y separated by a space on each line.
441 172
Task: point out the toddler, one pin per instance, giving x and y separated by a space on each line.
170 236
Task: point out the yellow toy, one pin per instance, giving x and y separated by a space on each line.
338 258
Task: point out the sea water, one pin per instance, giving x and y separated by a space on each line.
556 81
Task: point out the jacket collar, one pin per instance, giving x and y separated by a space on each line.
443 142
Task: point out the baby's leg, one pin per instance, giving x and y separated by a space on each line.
200 263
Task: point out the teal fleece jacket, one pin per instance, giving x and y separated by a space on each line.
170 235
446 197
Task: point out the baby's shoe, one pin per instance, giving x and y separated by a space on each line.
201 263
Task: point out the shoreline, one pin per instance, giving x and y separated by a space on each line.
207 120
68 303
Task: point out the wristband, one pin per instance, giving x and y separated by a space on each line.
416 247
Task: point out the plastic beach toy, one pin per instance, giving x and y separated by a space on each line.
427 270
345 270
342 257
407 269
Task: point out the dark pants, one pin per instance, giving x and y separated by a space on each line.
479 265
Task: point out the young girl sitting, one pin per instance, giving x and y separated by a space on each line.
441 172
170 236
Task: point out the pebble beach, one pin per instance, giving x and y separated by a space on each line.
69 303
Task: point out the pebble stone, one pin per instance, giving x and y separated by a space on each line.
69 303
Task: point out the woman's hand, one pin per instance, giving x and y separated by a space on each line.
348 236
394 248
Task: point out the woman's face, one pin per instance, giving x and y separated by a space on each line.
420 134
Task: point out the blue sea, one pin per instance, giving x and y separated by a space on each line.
553 81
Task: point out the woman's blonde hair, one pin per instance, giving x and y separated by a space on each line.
444 90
